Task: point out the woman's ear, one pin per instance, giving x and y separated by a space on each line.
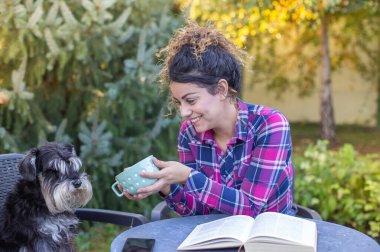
222 88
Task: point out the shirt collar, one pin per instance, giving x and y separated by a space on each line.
241 128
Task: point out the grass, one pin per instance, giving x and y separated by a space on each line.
364 139
98 238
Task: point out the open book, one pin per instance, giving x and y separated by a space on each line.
267 232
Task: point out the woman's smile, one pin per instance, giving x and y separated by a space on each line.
195 120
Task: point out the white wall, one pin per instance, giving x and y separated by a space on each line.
354 100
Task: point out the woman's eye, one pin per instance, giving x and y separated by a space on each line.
191 101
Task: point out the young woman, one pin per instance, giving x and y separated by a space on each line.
235 157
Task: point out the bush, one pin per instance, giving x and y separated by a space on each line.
86 72
98 237
343 186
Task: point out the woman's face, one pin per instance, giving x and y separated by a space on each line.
195 103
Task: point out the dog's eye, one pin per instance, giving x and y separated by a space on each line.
51 173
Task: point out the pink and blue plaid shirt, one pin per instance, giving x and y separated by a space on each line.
254 175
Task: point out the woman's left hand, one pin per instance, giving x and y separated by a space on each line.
171 172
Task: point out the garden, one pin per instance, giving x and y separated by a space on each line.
87 72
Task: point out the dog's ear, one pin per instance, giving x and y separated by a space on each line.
27 166
70 148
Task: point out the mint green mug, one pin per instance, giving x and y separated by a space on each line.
130 179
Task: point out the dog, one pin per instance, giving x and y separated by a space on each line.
38 214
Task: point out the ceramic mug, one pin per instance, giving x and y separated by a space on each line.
130 179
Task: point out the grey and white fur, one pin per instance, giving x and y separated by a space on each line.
38 214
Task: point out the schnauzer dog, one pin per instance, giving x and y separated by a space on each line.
38 214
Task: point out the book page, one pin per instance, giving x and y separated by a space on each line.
273 247
236 227
290 229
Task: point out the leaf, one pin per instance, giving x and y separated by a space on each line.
164 20
107 41
85 136
125 35
29 5
8 140
100 128
53 47
52 14
105 4
115 160
26 95
67 14
18 77
121 20
36 32
88 5
60 132
19 11
38 3
141 47
35 17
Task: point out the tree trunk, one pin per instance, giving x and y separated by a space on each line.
326 105
378 96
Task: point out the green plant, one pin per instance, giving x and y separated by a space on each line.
343 186
86 72
97 237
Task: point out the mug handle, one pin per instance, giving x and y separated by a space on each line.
116 190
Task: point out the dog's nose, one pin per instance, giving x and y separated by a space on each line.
77 183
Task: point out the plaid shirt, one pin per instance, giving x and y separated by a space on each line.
254 175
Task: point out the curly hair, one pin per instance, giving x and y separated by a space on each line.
202 55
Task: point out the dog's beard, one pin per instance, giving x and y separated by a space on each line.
64 196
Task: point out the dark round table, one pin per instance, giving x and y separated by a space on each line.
170 233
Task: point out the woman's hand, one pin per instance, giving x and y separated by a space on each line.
127 195
171 172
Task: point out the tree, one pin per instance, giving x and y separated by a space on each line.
86 72
259 26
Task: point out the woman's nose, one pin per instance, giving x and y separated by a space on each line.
185 111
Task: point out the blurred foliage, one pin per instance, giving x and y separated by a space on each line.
260 26
283 38
86 72
343 186
245 21
98 238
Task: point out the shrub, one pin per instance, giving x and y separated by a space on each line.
343 186
86 72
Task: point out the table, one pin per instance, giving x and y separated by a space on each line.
169 234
